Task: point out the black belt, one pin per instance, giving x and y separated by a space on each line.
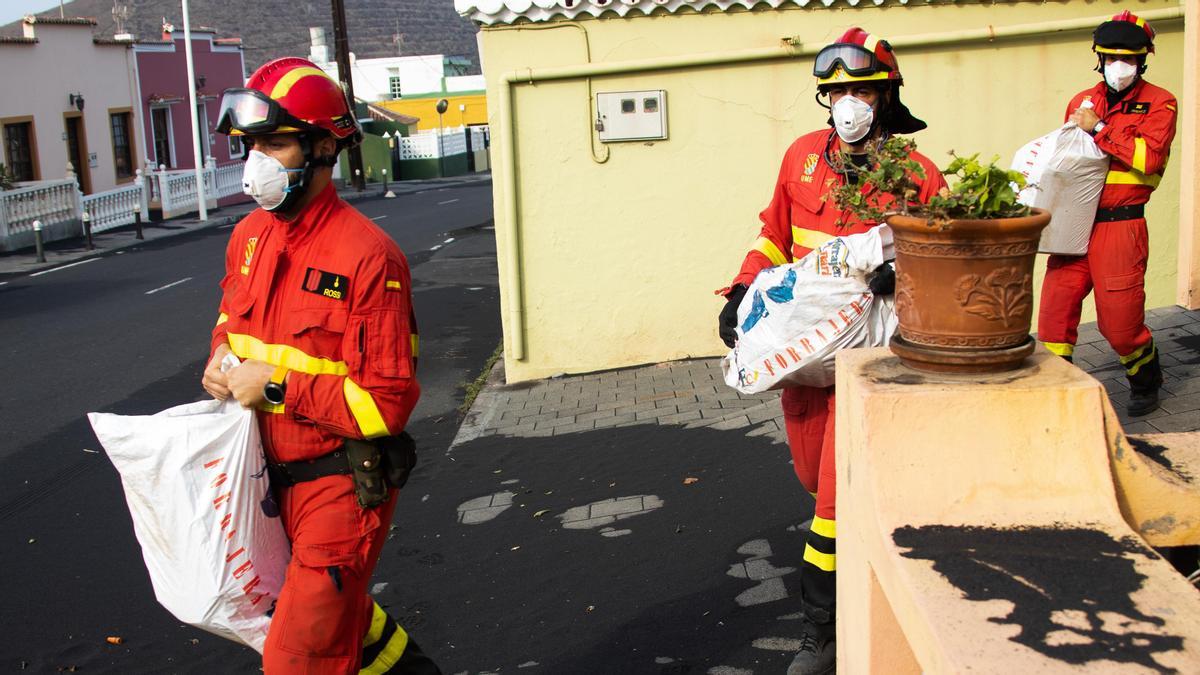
1121 213
287 474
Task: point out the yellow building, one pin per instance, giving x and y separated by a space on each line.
463 109
610 252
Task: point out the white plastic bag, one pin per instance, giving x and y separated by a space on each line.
195 482
796 317
1066 172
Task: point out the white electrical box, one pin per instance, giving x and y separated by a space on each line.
631 115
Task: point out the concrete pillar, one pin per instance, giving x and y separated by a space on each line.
979 529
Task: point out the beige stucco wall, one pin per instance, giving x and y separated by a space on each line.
620 260
36 80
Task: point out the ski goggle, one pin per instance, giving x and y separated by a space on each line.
853 59
249 111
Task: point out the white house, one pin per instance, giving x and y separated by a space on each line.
387 78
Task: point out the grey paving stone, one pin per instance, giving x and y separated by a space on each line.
574 428
520 429
1139 428
635 408
730 424
597 415
1180 404
1189 421
680 418
767 411
614 421
655 413
557 422
1168 321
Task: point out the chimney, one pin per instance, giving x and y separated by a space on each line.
27 26
167 29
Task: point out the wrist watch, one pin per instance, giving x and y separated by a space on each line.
276 388
1098 128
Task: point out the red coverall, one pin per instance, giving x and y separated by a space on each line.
1138 133
799 219
327 296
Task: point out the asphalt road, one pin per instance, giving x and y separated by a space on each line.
128 333
702 584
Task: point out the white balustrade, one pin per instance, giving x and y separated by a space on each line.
52 202
114 208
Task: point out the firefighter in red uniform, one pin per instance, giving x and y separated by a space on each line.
316 303
861 78
1132 121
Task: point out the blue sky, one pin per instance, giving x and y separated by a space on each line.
11 10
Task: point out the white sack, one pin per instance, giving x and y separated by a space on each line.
1065 171
195 482
796 317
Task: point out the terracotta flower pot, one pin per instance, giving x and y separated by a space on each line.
964 292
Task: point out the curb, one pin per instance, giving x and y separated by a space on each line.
483 409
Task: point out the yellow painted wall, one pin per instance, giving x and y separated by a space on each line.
426 110
620 259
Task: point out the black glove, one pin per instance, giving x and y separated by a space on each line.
727 321
883 280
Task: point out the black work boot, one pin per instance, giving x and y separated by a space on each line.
818 648
1145 378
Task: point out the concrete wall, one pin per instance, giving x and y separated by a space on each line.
463 109
162 73
36 80
619 260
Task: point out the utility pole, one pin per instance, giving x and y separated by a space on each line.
341 47
199 153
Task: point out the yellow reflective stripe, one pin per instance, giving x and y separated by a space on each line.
249 347
393 284
379 619
222 318
826 562
1060 348
809 238
272 408
823 527
362 406
415 342
768 248
1170 106
1132 178
391 653
1136 354
1139 155
285 83
870 43
1115 50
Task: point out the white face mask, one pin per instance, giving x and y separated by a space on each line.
266 180
852 118
1119 75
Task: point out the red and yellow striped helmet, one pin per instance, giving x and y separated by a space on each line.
857 56
1124 34
289 95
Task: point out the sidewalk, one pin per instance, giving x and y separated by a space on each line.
69 251
692 394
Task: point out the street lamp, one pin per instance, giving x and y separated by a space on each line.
441 109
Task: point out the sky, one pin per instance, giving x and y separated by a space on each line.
11 10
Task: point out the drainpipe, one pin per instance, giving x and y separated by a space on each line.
789 48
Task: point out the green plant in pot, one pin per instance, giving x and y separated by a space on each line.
964 261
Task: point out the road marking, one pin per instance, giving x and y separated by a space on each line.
434 248
173 283
448 201
379 217
448 240
3 283
81 262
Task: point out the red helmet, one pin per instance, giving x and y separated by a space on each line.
289 95
1123 34
857 56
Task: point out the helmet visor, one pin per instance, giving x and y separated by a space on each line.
249 111
853 59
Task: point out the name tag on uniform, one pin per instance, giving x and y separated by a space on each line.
327 284
1137 108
